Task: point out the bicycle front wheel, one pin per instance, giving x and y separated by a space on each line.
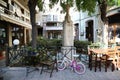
80 68
61 65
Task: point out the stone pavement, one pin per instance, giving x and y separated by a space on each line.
2 63
19 73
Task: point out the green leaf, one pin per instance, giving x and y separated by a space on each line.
40 4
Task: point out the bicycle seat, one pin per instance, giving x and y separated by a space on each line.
75 55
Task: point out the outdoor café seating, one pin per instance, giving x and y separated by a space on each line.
118 57
103 57
94 59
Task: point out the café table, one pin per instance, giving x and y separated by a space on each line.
98 53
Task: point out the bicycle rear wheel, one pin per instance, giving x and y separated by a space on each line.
80 68
61 65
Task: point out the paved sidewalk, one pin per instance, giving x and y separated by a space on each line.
2 63
20 74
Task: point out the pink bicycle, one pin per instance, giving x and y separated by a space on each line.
78 67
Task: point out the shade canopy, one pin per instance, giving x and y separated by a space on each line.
114 18
113 15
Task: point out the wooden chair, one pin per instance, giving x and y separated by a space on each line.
49 63
82 51
94 59
110 59
118 57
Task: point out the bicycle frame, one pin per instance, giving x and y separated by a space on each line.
68 62
77 67
73 63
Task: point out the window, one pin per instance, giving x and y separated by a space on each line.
22 10
3 37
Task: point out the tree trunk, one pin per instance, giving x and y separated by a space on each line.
32 5
105 34
103 11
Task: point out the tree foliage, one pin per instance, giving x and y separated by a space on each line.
85 5
40 4
103 5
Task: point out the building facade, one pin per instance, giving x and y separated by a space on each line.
91 28
86 26
14 22
51 25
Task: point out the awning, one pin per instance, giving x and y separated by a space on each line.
14 20
113 11
114 16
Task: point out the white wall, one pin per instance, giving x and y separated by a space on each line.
82 18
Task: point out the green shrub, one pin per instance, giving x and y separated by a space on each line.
57 43
81 46
43 42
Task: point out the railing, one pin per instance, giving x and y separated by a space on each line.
21 56
9 13
12 15
53 28
67 51
14 56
